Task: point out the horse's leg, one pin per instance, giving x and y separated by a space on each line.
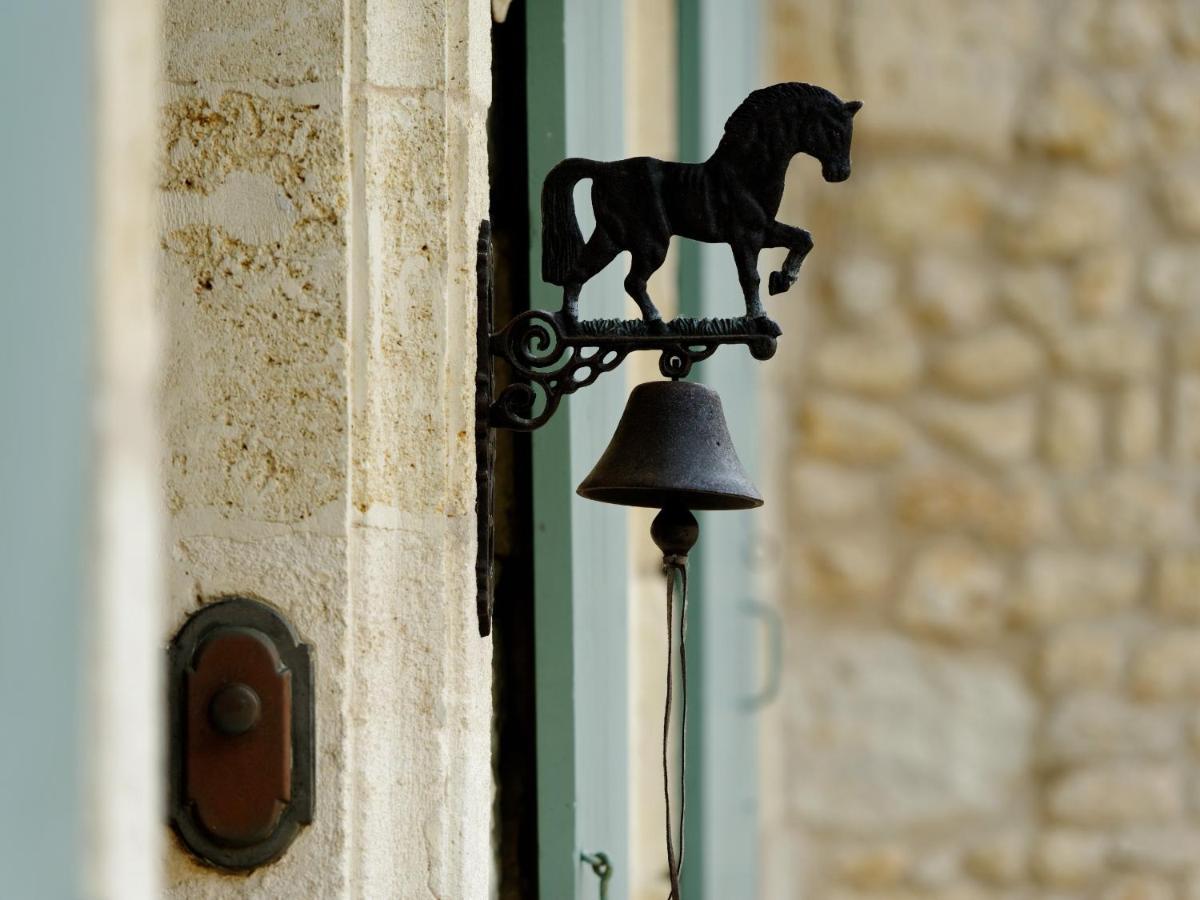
799 242
646 261
597 253
745 256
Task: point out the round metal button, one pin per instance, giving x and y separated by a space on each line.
234 709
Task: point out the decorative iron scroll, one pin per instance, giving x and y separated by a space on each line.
552 357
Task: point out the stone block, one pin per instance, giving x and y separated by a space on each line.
1082 657
1012 511
1109 352
1137 424
1063 585
949 293
1069 117
827 493
864 289
1167 665
1002 433
885 735
852 432
1069 858
1074 428
1129 508
1179 194
1140 887
925 203
953 592
1170 849
941 73
1000 860
1097 726
838 568
1063 216
1177 585
879 364
1039 296
992 364
874 867
1117 793
1172 278
1104 282
1186 439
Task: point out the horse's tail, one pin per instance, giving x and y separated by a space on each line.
562 242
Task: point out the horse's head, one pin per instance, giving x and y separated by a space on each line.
826 134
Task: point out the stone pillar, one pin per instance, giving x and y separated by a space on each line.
324 178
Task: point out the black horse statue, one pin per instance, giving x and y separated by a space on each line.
731 198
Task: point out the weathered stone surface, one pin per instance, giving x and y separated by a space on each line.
824 492
1069 858
1104 283
1180 196
1039 296
959 86
1070 118
1128 508
1109 352
1187 420
955 500
875 867
1177 585
1172 278
864 289
1157 848
1097 726
880 364
928 203
1167 665
1140 887
1117 794
1082 657
1001 433
1001 860
1062 217
1138 424
843 567
1074 428
885 735
991 364
953 592
1058 586
852 432
949 293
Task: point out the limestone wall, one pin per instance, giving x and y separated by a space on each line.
992 385
323 179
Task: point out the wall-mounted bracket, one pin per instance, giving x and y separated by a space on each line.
551 357
242 756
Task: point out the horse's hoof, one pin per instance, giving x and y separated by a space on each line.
656 326
766 325
778 283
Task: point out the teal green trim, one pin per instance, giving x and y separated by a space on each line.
574 89
46 255
718 59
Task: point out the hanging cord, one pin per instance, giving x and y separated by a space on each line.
671 566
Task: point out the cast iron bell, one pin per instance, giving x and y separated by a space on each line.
672 449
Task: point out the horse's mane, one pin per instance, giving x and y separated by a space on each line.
768 103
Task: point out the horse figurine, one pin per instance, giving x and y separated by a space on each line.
731 198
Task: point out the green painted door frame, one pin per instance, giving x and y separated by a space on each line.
718 67
574 89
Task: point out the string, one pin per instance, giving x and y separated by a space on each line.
671 566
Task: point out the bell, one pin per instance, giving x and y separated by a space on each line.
672 450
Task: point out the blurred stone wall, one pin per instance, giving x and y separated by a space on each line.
991 374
